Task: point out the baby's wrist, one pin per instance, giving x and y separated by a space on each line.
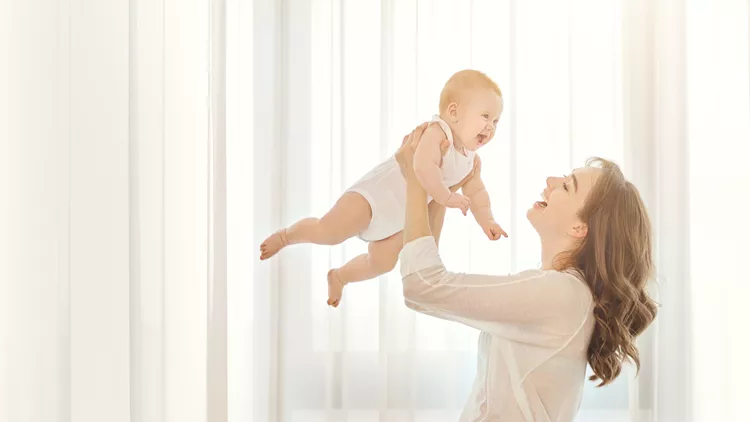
487 221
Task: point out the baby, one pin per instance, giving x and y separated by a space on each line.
374 207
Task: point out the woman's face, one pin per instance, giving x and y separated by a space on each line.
556 214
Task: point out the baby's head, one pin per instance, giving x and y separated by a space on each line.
471 104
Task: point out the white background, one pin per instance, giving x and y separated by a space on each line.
147 148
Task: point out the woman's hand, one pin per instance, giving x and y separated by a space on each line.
405 154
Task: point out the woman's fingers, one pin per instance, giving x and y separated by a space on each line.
416 135
405 153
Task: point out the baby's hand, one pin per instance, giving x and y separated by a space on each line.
493 230
456 200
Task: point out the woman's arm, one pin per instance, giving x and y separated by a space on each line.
416 223
475 299
436 213
472 298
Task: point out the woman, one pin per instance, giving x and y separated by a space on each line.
540 328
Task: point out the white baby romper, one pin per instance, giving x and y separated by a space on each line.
385 189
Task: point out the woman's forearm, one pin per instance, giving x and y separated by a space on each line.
436 214
416 224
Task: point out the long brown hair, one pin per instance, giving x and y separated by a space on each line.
615 261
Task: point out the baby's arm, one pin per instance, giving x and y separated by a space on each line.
427 161
480 204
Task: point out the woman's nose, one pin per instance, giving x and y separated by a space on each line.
552 181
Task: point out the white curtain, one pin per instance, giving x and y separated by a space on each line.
110 217
148 147
642 82
356 77
64 220
717 123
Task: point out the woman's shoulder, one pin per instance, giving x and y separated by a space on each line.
565 283
574 288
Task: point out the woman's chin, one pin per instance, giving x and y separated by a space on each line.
532 215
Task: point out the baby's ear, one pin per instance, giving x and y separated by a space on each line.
453 110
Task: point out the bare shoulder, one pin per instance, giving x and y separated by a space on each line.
435 137
434 133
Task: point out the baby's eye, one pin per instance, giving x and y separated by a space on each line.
486 116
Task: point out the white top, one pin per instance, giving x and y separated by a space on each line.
456 165
535 331
384 188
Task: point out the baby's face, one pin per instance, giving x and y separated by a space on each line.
477 119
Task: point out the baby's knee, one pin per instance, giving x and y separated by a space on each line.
383 262
331 233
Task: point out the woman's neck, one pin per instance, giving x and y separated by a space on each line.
552 250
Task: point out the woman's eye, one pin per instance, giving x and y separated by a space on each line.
565 186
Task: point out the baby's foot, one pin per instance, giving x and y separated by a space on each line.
335 288
273 244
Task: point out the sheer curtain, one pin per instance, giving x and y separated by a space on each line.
717 116
352 79
659 86
148 147
110 212
64 211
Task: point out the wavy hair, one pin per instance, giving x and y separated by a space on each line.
615 260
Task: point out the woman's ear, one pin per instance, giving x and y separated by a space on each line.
579 231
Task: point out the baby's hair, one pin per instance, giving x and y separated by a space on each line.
462 81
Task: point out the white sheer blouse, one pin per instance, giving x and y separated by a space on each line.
535 330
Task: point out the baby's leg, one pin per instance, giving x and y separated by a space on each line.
380 259
350 215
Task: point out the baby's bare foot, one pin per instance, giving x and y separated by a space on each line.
335 288
273 244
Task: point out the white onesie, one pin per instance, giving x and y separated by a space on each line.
385 188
